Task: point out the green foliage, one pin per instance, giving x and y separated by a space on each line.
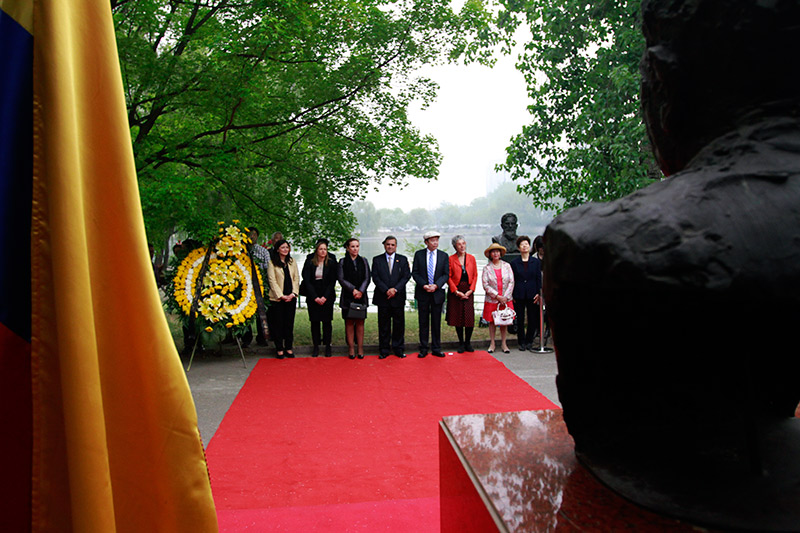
586 140
277 113
410 247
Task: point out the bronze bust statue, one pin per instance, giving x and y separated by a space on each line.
691 410
508 239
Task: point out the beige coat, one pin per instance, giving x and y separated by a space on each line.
275 278
489 280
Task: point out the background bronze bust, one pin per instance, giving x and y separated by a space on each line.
694 283
508 239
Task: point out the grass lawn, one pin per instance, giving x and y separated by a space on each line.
302 332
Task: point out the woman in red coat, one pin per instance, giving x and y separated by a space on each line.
460 300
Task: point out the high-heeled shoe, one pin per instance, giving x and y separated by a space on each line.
361 356
315 351
351 356
289 354
280 355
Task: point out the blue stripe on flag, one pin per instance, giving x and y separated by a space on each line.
16 175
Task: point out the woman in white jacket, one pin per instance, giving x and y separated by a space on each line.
498 282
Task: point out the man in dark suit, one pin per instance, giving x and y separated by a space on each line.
430 271
390 272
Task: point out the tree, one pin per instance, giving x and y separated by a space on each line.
393 218
420 218
369 219
587 140
277 113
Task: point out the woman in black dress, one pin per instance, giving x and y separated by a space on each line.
319 278
354 277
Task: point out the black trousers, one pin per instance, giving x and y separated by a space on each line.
430 319
525 334
391 329
327 328
282 324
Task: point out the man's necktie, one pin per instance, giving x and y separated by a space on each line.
389 260
430 268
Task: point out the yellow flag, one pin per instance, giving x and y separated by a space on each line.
115 442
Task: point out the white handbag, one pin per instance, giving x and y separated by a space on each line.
503 316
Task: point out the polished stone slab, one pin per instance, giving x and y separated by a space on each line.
518 472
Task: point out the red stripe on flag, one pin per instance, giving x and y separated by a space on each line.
15 419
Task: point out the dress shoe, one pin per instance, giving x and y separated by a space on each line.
383 356
400 355
361 356
315 352
460 348
523 347
468 347
422 354
438 354
327 350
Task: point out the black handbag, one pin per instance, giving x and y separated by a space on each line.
303 289
357 311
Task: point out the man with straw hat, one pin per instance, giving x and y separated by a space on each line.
430 272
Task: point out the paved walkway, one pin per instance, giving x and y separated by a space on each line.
215 380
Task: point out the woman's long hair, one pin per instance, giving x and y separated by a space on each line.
315 259
276 257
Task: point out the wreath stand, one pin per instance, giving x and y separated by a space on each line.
542 348
197 341
193 311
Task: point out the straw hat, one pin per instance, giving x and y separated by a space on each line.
495 246
430 234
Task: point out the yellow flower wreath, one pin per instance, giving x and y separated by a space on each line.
227 294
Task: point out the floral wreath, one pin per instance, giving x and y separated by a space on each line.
227 297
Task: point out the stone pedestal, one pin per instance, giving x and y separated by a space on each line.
518 472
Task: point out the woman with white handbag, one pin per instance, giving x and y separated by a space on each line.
498 306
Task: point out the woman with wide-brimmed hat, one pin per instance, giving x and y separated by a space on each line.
498 283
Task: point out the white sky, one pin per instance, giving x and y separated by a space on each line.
477 111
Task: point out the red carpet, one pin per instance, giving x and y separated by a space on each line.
318 444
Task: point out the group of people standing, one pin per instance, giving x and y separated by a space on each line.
506 285
516 285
